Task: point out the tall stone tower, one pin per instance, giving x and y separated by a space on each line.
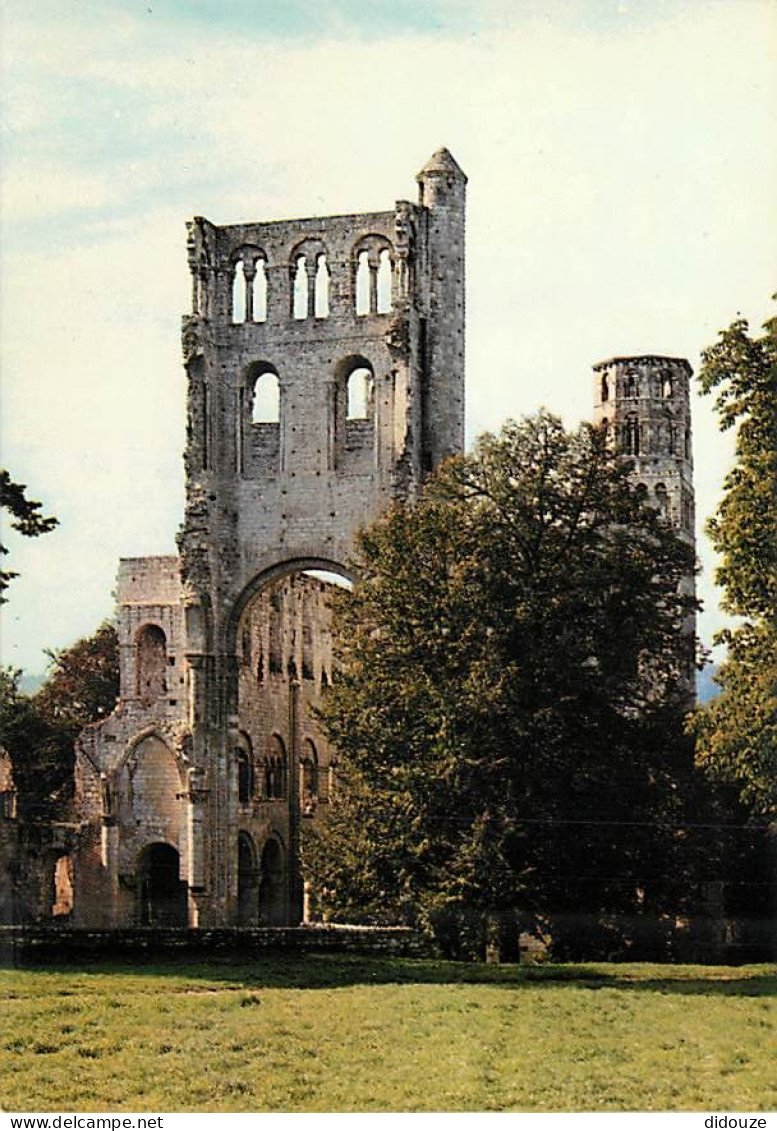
645 402
325 369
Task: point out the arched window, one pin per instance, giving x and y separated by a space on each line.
266 399
363 284
687 444
322 287
272 901
630 386
300 293
239 293
667 387
308 778
630 437
360 394
384 282
151 661
275 769
247 881
605 388
260 291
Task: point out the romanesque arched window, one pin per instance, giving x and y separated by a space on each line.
309 276
308 778
259 420
604 388
275 769
359 392
662 499
630 436
667 386
266 399
151 661
373 270
630 389
249 285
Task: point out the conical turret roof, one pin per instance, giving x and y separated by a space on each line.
442 162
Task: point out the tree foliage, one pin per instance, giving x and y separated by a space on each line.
737 732
39 731
509 695
26 517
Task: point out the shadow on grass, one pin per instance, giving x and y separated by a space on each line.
330 971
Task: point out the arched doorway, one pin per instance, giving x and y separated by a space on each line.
162 895
272 895
247 882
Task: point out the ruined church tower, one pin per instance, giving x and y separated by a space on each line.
325 366
645 402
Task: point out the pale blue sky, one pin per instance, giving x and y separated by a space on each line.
621 199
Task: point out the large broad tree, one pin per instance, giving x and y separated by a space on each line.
26 517
509 698
39 731
737 731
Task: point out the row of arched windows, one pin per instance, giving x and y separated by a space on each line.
661 499
265 395
268 780
635 439
310 278
662 386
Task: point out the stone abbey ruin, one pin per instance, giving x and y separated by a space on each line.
325 368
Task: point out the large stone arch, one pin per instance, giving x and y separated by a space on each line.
149 784
275 571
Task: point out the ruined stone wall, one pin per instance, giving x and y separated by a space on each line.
132 768
302 309
325 368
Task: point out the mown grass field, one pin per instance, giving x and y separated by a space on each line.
329 1033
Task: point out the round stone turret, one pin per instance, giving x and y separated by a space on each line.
645 401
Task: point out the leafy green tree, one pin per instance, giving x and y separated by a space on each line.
26 517
507 710
737 731
39 731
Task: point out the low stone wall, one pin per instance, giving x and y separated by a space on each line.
39 944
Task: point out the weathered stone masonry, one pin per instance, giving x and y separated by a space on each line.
325 369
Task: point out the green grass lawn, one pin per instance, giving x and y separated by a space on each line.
329 1033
